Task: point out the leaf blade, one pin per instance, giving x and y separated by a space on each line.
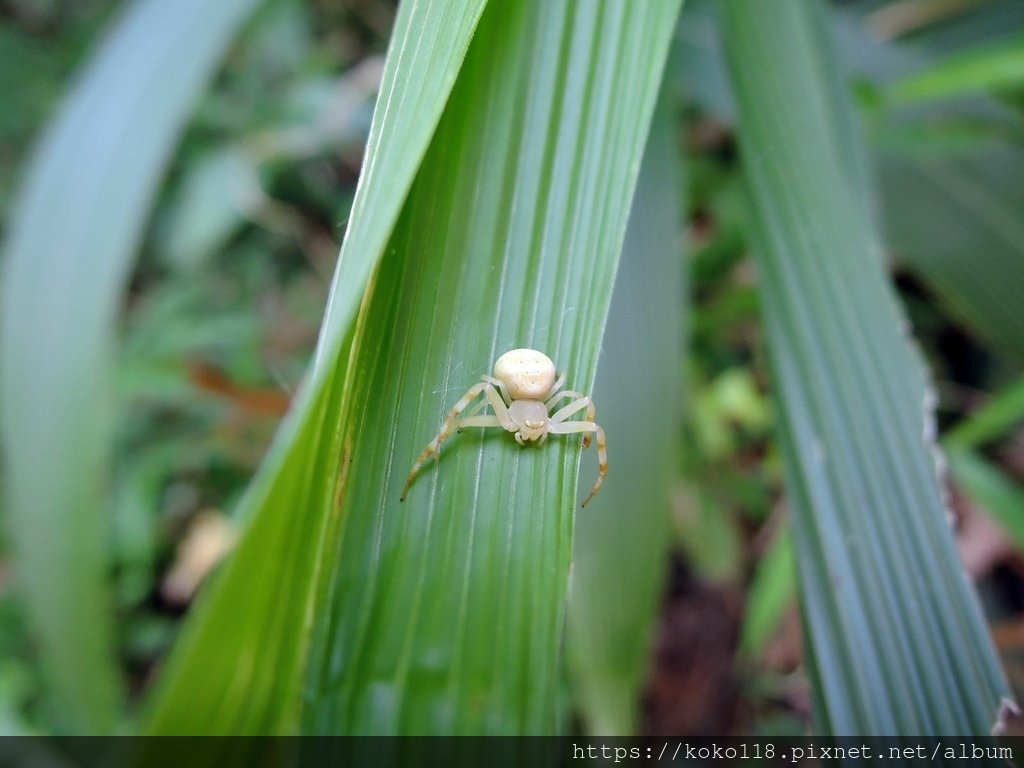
428 42
891 621
436 311
623 537
989 67
95 174
497 517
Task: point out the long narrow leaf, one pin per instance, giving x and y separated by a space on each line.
72 241
992 420
896 640
990 67
772 593
443 614
623 537
238 666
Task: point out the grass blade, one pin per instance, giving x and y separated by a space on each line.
897 643
212 683
991 421
442 615
772 592
538 173
623 537
991 67
72 241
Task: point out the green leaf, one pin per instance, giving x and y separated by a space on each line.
71 243
708 535
212 683
623 537
991 421
772 590
344 611
896 640
990 67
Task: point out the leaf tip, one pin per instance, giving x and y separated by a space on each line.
1008 713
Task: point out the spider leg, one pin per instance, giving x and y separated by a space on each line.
559 383
474 411
572 408
500 386
497 402
487 420
559 395
451 422
570 427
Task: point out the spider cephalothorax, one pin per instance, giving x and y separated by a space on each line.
521 394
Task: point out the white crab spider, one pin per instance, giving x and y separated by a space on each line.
525 379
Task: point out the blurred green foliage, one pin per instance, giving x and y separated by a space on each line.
225 302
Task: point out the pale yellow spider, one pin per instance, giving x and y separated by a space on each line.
525 379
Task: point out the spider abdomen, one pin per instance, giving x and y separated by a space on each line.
526 373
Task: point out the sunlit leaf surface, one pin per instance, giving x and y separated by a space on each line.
344 610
